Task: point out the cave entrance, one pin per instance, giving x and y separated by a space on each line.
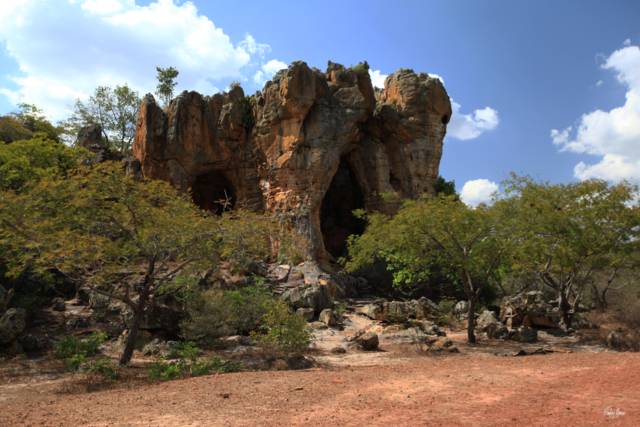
336 213
213 192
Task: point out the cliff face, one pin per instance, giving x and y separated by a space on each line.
311 145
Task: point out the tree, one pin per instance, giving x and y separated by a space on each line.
444 187
166 83
122 238
26 123
441 232
568 233
24 163
116 110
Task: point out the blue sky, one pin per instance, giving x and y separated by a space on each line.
517 69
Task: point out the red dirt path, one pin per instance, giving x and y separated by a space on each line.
574 389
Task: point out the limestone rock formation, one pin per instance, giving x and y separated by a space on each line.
312 146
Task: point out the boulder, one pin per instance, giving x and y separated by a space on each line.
524 334
34 343
338 350
280 273
58 304
372 311
12 323
90 138
328 317
318 325
529 309
316 297
425 308
491 326
397 311
461 310
443 344
431 328
497 331
306 313
623 340
368 341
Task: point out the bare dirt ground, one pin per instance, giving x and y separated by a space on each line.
571 389
572 384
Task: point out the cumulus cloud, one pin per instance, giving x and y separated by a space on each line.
614 135
472 125
267 71
478 191
377 78
64 49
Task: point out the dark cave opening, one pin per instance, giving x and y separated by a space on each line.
213 192
336 213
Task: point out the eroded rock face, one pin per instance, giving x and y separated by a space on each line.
311 145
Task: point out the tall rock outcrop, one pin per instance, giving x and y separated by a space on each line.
311 145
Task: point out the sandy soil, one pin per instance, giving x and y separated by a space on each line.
466 389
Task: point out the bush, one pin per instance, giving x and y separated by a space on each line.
250 310
187 364
72 347
184 350
102 367
216 313
214 364
165 371
283 330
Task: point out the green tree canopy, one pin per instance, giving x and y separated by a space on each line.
442 233
26 123
166 83
24 163
566 233
115 109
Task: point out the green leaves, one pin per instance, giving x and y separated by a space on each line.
115 109
166 83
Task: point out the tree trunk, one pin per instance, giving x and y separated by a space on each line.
138 313
564 307
471 320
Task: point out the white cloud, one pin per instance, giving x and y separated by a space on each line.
64 49
599 83
626 42
560 137
267 71
377 78
478 191
612 135
470 126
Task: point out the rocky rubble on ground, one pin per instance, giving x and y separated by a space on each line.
400 311
528 309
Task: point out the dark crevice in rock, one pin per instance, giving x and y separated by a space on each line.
213 192
336 213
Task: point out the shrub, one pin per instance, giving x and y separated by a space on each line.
213 364
216 313
188 364
102 367
184 350
283 330
165 371
71 346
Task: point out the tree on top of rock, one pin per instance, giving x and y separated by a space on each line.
166 83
